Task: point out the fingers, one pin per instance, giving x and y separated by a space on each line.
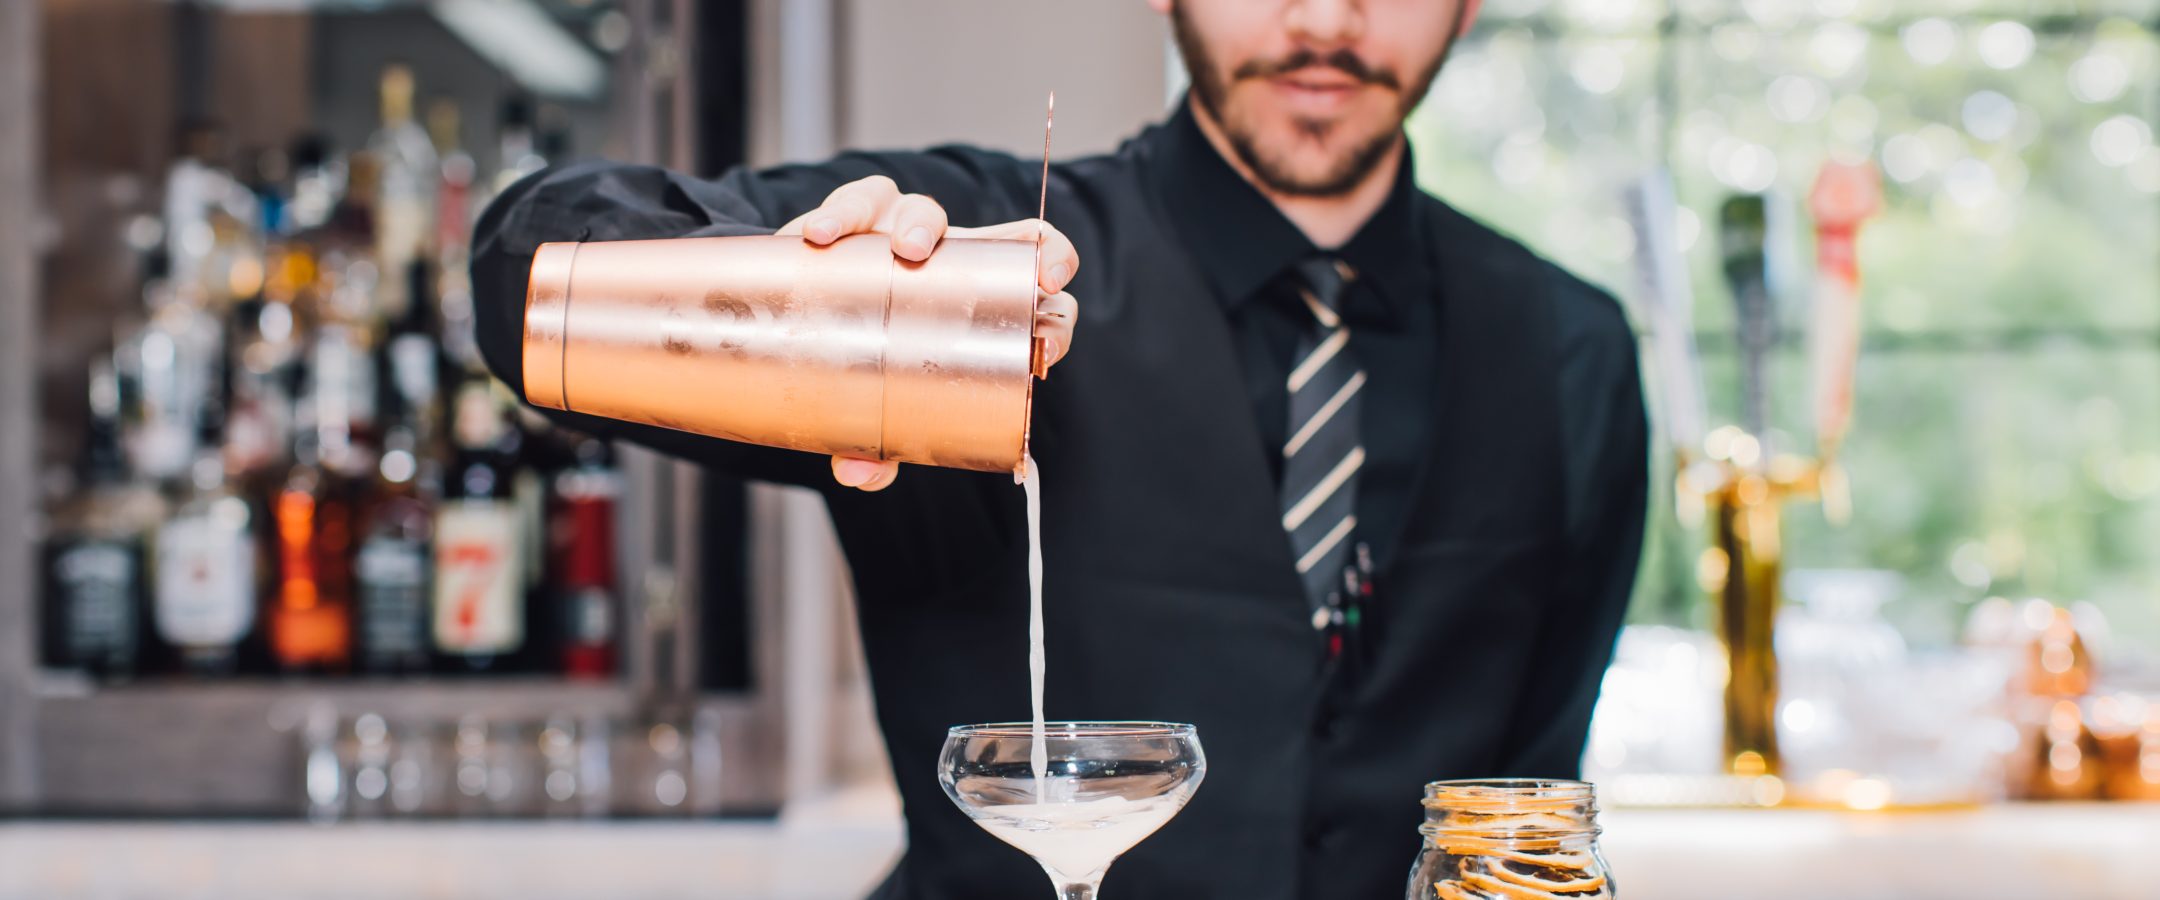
864 474
1059 263
852 208
1055 317
918 223
1060 260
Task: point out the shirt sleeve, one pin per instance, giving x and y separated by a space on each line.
1605 457
603 201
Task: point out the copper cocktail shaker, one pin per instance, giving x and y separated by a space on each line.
842 349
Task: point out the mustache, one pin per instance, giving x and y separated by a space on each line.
1342 61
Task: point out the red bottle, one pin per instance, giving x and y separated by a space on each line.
581 536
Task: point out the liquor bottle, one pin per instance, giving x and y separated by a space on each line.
554 134
345 391
205 572
411 362
535 453
194 185
265 350
268 176
581 541
310 615
479 610
168 367
406 179
94 557
453 189
395 549
318 183
519 155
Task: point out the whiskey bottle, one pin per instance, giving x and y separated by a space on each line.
395 550
479 611
205 572
94 558
310 616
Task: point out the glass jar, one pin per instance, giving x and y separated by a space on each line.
1517 839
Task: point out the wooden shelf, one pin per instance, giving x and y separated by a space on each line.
516 697
234 748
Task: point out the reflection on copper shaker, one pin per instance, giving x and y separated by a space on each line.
842 349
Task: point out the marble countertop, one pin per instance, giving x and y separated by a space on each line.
2011 852
836 849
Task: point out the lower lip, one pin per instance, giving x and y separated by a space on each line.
1314 98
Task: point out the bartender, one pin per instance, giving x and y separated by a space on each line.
1343 477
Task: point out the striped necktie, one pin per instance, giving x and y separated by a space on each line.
1323 453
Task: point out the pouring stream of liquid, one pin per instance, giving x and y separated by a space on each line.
1039 755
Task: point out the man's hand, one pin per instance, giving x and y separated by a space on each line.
874 205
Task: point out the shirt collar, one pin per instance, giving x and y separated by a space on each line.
1241 242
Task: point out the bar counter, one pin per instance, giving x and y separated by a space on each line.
837 849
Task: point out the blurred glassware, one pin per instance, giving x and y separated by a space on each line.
513 771
1868 722
596 771
562 770
667 764
416 780
469 750
1929 730
657 752
1658 712
369 761
323 772
1834 648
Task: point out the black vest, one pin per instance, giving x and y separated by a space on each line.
1170 591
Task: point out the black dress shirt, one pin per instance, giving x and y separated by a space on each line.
1388 307
1505 398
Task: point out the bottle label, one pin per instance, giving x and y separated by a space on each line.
478 578
591 617
96 584
393 599
205 582
412 367
581 535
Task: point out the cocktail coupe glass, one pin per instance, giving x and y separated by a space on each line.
1108 786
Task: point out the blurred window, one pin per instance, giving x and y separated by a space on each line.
2007 425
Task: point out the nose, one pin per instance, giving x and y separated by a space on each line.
1326 24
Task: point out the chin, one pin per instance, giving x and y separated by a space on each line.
1311 159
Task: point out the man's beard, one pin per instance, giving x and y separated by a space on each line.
1276 173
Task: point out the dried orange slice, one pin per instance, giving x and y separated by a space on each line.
1448 890
1569 860
1511 891
1501 870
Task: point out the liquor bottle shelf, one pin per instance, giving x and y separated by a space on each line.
282 701
237 748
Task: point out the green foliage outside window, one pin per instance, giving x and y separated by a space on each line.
2007 427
